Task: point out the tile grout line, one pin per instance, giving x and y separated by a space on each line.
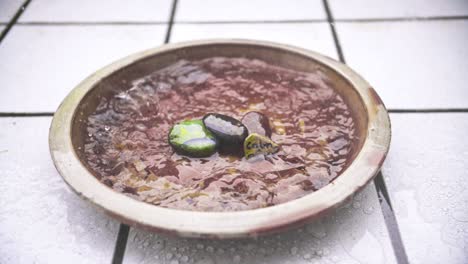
14 19
390 219
171 21
120 244
25 114
91 23
87 23
333 31
379 182
401 19
290 21
281 21
428 110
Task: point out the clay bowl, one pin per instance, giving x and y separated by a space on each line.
66 139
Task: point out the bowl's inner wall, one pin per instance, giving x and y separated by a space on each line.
121 80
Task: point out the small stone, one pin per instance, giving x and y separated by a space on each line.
256 144
191 138
229 131
258 123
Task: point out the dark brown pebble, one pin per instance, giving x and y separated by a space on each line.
229 131
258 123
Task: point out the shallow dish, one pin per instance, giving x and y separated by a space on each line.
65 139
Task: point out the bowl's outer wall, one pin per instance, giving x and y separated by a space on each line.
68 132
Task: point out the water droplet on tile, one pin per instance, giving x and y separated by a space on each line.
159 244
205 260
210 249
262 251
250 246
294 250
236 259
317 230
184 258
307 256
169 256
325 251
368 210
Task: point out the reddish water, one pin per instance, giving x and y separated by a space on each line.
128 148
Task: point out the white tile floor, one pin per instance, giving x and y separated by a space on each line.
346 236
378 9
249 10
97 11
412 64
41 220
426 175
8 8
316 36
60 57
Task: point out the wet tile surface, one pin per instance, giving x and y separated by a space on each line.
411 64
41 221
37 75
426 175
351 9
8 9
313 36
346 236
97 11
249 10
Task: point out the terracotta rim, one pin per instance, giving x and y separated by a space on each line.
221 224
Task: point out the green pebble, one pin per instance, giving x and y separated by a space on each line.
191 138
